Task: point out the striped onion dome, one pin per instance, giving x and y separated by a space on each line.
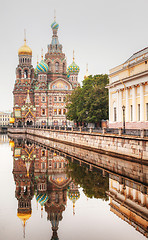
73 68
54 25
42 198
42 67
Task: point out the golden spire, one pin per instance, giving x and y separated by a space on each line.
73 55
73 208
42 54
87 74
54 15
37 60
24 36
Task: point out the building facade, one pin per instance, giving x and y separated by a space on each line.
40 93
5 118
128 92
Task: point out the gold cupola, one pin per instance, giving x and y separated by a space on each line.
25 50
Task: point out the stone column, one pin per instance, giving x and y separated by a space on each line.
120 107
117 105
141 103
127 107
110 120
134 103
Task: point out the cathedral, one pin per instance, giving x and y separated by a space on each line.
40 93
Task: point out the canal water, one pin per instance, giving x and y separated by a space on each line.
48 194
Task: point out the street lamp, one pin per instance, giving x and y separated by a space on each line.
123 109
86 116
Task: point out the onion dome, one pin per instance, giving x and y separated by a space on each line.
54 25
42 198
73 195
42 67
25 50
73 68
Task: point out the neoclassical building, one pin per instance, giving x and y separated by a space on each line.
40 93
128 89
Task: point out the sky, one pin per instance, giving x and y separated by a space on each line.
103 33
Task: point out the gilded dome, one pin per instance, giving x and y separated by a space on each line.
42 67
25 50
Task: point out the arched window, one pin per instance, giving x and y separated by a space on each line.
57 66
64 111
59 111
19 73
72 78
26 73
43 111
55 99
31 74
23 60
63 67
43 153
55 111
49 66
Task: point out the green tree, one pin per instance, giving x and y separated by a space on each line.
89 103
92 182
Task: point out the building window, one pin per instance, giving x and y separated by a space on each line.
55 111
43 99
59 111
131 113
49 66
138 112
64 111
43 153
19 73
57 66
146 111
25 74
64 99
55 99
43 111
43 165
59 99
115 114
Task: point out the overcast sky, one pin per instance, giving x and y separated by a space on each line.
103 33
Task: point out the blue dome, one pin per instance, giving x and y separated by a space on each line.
42 198
54 25
42 67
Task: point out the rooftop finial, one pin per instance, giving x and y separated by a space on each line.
37 59
54 15
25 35
42 54
73 55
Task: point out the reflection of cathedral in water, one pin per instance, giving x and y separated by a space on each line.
129 201
41 172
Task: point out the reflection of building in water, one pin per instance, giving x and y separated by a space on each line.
22 166
129 201
73 194
4 138
42 171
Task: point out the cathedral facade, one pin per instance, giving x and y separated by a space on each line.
40 93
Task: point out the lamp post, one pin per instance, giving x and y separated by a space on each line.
86 116
123 109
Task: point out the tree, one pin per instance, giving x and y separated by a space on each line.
89 103
92 182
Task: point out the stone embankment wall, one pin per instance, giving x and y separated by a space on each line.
126 147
